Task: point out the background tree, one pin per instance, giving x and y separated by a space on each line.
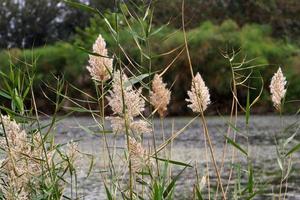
30 23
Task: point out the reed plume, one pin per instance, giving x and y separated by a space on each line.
100 65
138 155
22 163
25 162
72 152
160 95
127 104
199 97
277 88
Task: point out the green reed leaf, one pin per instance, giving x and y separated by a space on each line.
293 150
233 143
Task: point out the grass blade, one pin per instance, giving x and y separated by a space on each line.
82 6
108 194
172 184
198 193
230 141
173 162
293 150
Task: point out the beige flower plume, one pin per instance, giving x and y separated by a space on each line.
100 66
133 102
23 161
122 90
199 97
160 95
277 88
138 155
21 164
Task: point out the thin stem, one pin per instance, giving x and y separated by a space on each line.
102 114
155 151
286 182
235 120
212 154
282 175
207 165
225 145
127 138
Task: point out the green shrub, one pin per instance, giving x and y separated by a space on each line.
206 42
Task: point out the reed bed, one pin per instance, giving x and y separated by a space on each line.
130 95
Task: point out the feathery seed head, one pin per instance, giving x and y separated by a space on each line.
72 151
22 160
140 126
277 88
101 66
137 126
123 94
123 90
160 95
16 137
137 155
199 97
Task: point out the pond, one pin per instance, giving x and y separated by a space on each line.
189 147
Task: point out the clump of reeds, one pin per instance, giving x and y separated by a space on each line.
31 167
28 164
21 162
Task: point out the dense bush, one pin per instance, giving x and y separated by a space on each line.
281 15
206 42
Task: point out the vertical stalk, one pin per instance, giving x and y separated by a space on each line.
127 138
155 151
102 114
207 165
235 120
212 154
282 175
202 114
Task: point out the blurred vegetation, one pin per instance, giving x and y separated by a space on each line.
281 15
29 23
207 42
265 32
34 23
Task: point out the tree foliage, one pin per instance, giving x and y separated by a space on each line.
282 15
30 23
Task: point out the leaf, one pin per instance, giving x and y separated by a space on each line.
172 184
87 130
137 79
250 179
5 95
198 193
279 158
77 109
288 140
253 195
157 193
248 108
18 101
293 150
230 141
90 52
82 6
108 194
90 167
173 162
